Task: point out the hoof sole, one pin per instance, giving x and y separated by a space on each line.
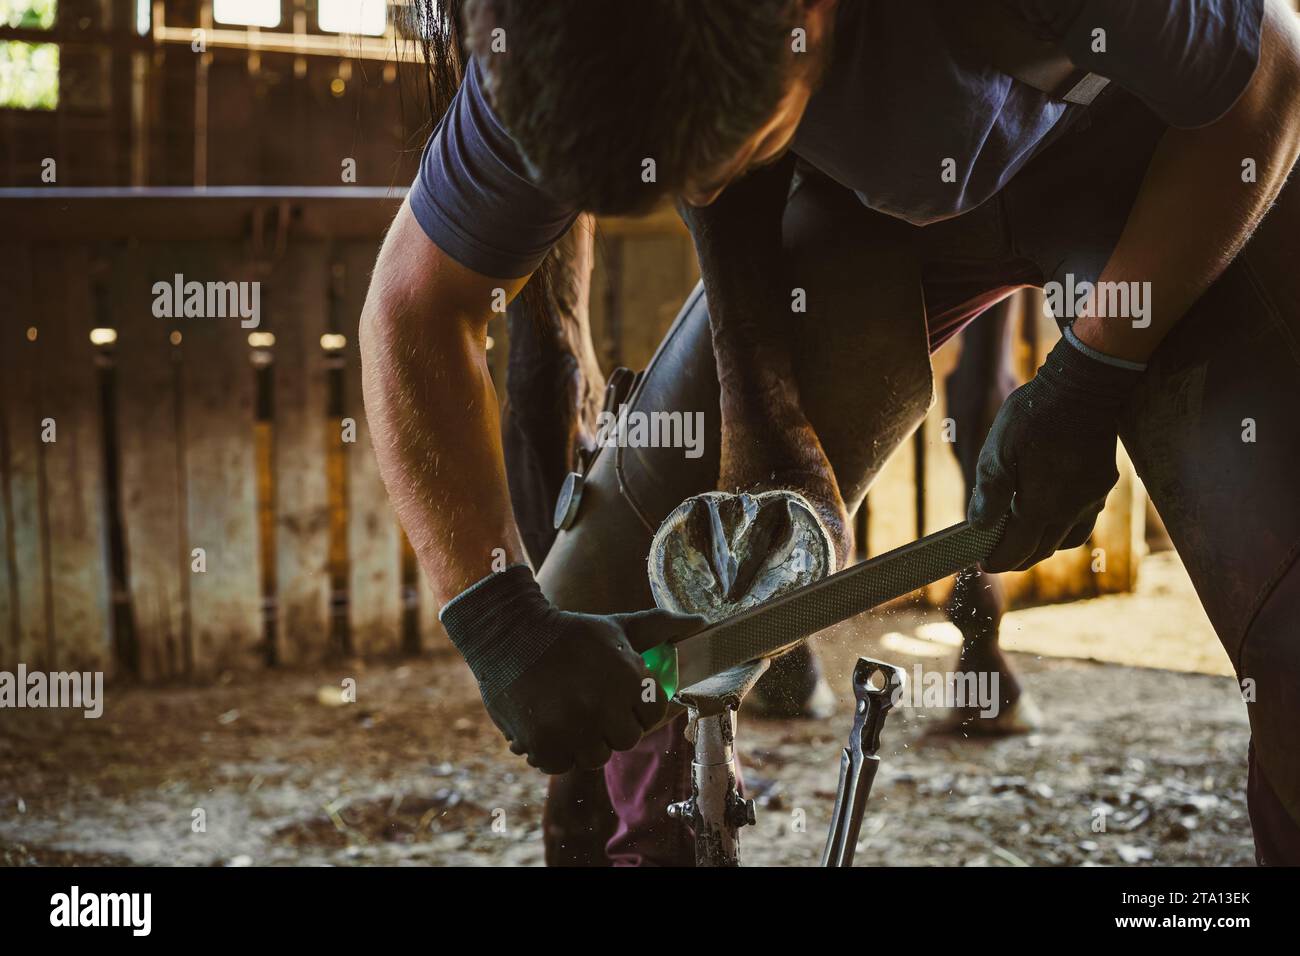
718 554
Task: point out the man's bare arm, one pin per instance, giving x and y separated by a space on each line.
432 408
1195 210
565 689
1049 458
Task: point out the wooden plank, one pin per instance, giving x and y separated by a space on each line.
299 317
374 542
150 460
943 486
80 607
8 623
891 502
20 406
220 476
1119 539
178 213
336 465
656 277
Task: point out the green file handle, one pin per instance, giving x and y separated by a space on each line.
661 661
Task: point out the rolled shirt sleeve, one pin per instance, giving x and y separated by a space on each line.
473 196
1188 60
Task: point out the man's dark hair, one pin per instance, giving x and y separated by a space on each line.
590 89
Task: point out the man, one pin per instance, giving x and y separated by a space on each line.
881 159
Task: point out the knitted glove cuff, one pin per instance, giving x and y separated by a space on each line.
501 625
1087 385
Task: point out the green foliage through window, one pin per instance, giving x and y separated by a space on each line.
29 75
27 14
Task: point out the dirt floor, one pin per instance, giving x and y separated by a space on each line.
277 771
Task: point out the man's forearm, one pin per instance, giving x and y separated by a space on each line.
435 427
1197 208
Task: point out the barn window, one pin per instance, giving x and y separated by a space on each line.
247 13
29 72
364 17
29 75
27 14
143 16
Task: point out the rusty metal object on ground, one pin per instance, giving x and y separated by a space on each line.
716 810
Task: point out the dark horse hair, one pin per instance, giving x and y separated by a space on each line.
436 28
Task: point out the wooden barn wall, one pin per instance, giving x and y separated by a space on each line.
173 437
136 111
186 415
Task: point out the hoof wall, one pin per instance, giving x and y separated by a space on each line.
718 554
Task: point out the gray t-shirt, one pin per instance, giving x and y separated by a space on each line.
896 103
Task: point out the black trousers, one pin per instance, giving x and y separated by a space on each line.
881 296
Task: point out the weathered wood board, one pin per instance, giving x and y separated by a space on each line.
20 407
151 459
374 542
217 413
77 579
298 318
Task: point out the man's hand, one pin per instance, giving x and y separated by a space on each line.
565 689
1050 457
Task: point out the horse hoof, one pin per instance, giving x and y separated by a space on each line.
718 554
1021 716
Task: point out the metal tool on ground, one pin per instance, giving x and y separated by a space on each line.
875 688
716 810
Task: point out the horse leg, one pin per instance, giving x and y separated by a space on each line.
554 389
975 391
858 357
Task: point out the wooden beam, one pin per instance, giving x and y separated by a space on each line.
220 475
151 458
79 603
299 316
20 406
183 212
374 542
188 214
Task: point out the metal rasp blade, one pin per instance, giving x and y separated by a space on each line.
784 621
